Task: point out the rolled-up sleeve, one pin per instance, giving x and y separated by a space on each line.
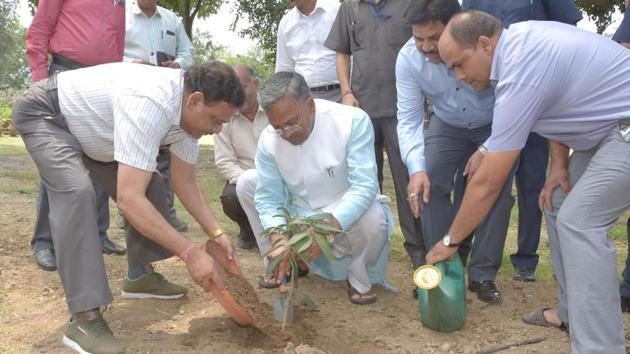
361 174
410 117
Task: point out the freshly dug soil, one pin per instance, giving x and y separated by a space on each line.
265 332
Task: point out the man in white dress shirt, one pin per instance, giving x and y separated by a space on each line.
300 46
235 148
106 124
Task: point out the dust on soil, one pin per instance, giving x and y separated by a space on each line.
33 311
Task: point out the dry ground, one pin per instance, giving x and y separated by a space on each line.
33 310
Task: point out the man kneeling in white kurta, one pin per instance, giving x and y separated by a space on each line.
318 156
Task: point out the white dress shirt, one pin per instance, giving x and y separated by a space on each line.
235 146
300 44
124 112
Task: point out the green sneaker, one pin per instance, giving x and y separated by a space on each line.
91 336
152 286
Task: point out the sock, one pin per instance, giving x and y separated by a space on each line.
134 273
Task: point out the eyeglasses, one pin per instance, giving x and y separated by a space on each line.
290 129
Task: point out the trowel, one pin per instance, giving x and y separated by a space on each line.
283 304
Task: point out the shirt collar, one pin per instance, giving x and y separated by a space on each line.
135 9
260 109
496 66
318 5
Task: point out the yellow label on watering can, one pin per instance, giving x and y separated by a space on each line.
427 277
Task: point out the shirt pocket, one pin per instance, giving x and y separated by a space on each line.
357 36
169 41
327 186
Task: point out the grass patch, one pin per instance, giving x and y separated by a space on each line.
23 180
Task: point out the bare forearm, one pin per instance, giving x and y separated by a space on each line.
343 71
143 216
479 198
559 154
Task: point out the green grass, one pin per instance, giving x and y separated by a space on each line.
24 180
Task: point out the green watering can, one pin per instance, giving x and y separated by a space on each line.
442 295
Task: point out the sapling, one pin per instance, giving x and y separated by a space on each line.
300 232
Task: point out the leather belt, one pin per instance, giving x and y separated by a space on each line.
325 88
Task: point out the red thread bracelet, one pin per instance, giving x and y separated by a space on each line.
184 255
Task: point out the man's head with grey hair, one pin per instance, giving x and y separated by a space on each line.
467 46
282 83
286 98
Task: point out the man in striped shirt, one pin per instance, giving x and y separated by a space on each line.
105 124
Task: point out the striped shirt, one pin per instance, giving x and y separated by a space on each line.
162 32
125 112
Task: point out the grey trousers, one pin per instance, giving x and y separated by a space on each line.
386 137
583 257
42 238
363 241
446 148
68 177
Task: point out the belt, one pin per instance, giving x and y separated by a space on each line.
325 88
67 63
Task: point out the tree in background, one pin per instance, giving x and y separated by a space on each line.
601 11
263 16
188 10
14 73
207 50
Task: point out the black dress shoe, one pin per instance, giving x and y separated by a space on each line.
524 274
46 259
486 291
246 241
625 304
108 247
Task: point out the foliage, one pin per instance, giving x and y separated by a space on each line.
601 11
206 50
188 10
300 232
14 71
264 17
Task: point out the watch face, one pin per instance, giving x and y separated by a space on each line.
446 240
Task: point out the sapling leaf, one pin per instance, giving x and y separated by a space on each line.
274 263
305 299
321 216
304 245
294 272
305 259
296 238
326 227
325 246
274 247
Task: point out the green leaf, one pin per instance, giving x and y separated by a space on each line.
294 271
325 246
296 238
274 263
327 227
305 299
321 216
305 259
304 245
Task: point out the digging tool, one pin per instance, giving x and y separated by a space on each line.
282 307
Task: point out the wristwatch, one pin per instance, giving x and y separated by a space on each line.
446 241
